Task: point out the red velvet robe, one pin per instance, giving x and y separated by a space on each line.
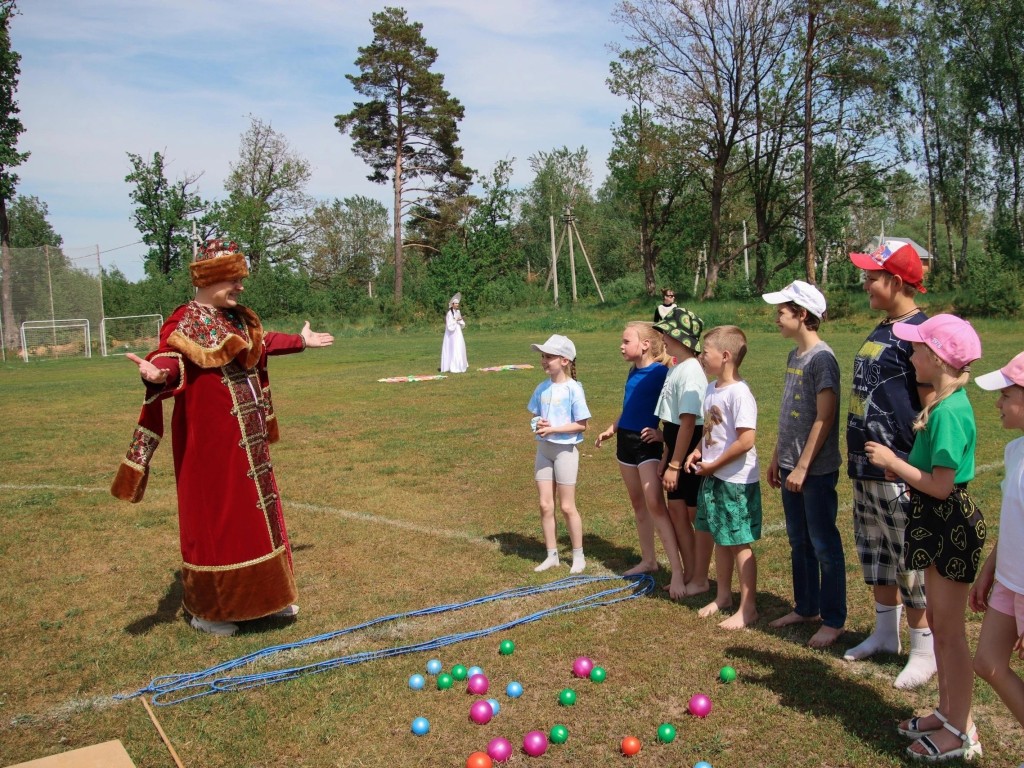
236 559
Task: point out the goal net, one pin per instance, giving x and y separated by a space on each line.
53 339
131 333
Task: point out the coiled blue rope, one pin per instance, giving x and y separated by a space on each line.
174 689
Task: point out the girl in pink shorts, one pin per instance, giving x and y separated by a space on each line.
999 588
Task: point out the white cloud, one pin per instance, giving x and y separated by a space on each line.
108 77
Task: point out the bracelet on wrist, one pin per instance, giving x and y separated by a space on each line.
676 467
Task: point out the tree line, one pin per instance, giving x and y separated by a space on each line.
761 140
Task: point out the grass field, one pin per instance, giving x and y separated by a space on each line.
404 496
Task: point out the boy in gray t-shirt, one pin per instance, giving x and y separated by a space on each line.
805 465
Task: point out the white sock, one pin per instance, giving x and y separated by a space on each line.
579 562
921 665
885 638
550 562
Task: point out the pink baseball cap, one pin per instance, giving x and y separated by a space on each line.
1010 374
897 257
952 338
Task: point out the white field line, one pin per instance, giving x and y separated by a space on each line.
365 517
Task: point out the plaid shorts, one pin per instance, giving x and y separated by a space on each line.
880 511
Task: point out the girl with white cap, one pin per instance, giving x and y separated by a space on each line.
453 348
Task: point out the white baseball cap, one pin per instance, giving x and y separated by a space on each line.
802 294
557 345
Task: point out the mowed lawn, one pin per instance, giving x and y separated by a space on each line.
403 496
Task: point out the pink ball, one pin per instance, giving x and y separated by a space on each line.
582 666
700 705
499 749
535 743
480 712
478 685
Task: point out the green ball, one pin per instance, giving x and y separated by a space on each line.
459 672
444 682
559 734
567 697
666 733
727 675
597 674
506 648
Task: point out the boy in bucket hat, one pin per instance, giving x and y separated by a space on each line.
885 400
805 465
680 407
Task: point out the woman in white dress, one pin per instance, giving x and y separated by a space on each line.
453 349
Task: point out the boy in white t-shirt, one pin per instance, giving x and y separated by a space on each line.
729 504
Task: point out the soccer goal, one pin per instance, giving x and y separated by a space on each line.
53 339
131 333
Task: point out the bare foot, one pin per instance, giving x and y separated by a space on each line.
739 620
793 618
713 607
677 589
641 567
825 636
697 587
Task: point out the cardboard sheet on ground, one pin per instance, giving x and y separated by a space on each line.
109 754
513 367
403 379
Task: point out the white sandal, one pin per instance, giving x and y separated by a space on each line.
914 729
970 747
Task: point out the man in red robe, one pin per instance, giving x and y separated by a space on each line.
212 359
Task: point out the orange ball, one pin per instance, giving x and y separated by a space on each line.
630 746
479 760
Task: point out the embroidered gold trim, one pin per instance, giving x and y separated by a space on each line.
235 566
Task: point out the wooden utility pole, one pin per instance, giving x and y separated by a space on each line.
569 229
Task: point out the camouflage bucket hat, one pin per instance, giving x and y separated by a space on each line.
683 326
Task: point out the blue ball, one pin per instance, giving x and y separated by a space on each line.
434 667
702 764
495 706
421 726
416 682
474 671
514 690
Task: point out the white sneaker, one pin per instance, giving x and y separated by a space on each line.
220 628
286 613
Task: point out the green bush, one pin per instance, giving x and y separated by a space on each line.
988 289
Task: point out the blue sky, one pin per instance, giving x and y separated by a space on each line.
106 77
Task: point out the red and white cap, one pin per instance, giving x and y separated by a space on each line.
897 257
1010 374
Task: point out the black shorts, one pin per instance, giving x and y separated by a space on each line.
688 486
632 451
949 534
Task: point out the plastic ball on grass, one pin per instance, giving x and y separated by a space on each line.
499 749
480 712
434 666
559 734
630 746
700 705
459 672
514 690
495 706
727 675
416 682
702 764
507 648
666 733
473 671
479 760
598 675
420 726
444 682
581 666
567 697
478 685
535 743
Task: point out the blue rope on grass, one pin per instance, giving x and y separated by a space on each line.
174 689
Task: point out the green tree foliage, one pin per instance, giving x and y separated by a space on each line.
162 213
29 226
407 130
267 209
10 158
348 242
